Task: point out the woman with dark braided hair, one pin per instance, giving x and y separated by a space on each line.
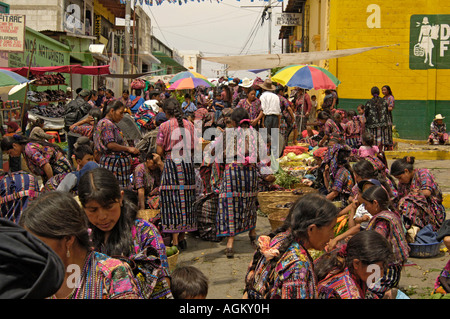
43 159
344 273
110 142
175 144
378 121
281 266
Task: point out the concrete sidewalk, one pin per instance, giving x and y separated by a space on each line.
227 275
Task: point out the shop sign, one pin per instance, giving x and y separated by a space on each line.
429 41
12 32
288 19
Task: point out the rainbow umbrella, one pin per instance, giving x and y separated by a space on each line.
189 83
306 76
188 74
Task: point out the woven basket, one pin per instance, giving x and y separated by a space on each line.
172 260
275 197
273 209
147 214
277 219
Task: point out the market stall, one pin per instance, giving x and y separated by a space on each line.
49 103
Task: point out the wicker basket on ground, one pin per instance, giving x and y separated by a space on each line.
147 214
282 197
277 219
272 208
172 260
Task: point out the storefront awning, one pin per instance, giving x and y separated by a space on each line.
149 58
74 69
98 52
269 61
167 60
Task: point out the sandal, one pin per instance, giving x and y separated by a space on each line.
229 252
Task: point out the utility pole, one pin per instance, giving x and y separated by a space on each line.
126 58
268 11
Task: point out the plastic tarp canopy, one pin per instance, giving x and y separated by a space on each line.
268 61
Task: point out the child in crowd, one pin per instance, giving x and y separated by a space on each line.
189 282
217 106
367 148
353 130
188 106
15 163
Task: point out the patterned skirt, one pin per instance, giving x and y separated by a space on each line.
421 211
382 136
177 195
390 279
237 200
206 210
120 166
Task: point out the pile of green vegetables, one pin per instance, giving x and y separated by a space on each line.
285 180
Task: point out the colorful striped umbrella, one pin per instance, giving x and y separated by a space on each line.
187 74
306 76
189 83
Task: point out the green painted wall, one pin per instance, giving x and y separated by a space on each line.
412 119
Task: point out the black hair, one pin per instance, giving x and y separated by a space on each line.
398 166
188 282
56 215
8 141
380 194
113 105
351 113
38 122
311 209
77 91
172 107
365 169
367 246
375 91
82 150
187 96
388 88
323 115
110 92
100 185
94 92
238 115
138 92
126 91
367 138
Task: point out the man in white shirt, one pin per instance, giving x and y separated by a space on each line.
270 105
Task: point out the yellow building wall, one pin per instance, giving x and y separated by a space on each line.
350 27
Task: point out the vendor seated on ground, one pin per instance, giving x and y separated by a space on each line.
338 177
146 181
38 133
438 131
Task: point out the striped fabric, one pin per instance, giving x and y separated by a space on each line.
103 277
418 209
237 199
343 285
120 166
17 189
389 224
292 277
177 197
